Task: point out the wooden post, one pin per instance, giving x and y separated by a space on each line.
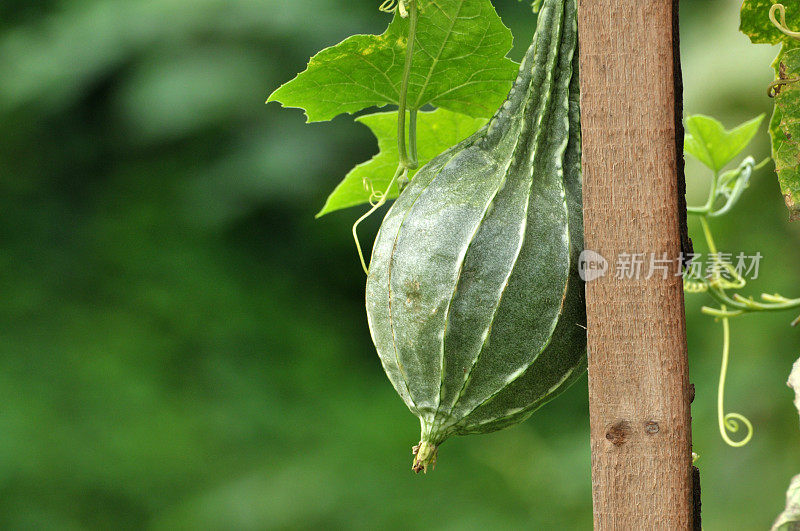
633 208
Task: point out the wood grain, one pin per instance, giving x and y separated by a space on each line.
638 372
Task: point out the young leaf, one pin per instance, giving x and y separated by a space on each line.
459 64
436 131
708 141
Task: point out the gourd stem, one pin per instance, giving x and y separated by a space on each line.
425 454
412 139
407 163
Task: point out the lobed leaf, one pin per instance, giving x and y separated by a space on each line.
436 131
708 141
755 22
785 130
459 64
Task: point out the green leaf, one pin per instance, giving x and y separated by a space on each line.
459 64
784 127
436 131
755 22
785 130
708 141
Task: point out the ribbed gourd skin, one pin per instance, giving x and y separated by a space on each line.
474 300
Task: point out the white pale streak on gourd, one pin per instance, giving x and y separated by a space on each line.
543 380
378 298
526 313
505 252
482 284
472 296
432 260
512 416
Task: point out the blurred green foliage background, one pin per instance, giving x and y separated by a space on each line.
182 346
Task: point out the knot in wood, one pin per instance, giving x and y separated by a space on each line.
618 432
651 427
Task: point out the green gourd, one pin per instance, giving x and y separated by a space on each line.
474 299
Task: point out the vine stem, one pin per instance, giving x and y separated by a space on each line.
727 422
718 283
707 233
741 304
730 421
400 171
388 6
782 24
774 87
405 161
749 305
412 138
712 194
